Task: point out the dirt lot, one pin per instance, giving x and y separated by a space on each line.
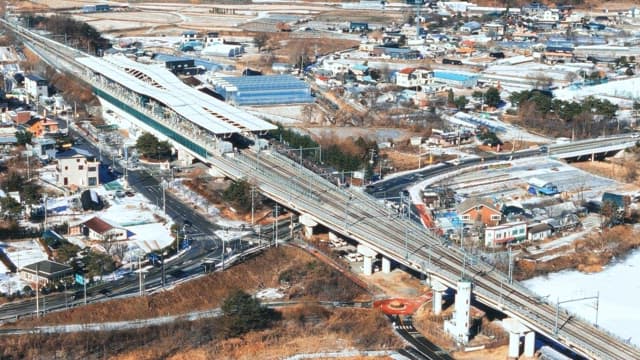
397 284
402 160
612 168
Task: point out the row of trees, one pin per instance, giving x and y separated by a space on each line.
347 157
73 31
539 110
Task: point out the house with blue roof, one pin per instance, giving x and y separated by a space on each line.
472 27
456 79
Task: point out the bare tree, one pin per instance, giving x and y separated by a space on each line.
260 40
542 81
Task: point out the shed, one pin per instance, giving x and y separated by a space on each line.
541 187
539 232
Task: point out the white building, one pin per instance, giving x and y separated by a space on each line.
414 77
77 168
223 50
548 16
539 232
36 86
96 229
505 233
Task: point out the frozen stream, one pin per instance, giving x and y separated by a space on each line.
619 287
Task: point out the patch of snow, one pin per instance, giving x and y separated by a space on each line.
129 211
231 223
621 89
94 196
269 294
25 252
10 283
230 235
151 237
618 289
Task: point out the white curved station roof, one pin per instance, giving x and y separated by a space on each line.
158 83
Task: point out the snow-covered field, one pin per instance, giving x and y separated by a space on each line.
511 182
627 89
25 252
619 293
21 253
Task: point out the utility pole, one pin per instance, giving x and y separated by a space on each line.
45 211
164 197
276 230
510 266
140 277
37 291
162 273
253 191
84 282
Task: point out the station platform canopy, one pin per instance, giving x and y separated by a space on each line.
158 83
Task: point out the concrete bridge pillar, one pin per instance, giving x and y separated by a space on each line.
308 223
514 345
516 331
529 344
368 265
386 265
437 289
369 255
185 158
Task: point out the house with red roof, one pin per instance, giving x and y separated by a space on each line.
98 229
414 77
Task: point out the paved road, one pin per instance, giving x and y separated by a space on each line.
425 348
143 182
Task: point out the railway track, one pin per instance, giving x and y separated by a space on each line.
492 287
361 217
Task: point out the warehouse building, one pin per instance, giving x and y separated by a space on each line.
456 79
263 90
223 50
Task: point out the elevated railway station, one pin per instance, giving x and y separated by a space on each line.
166 106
